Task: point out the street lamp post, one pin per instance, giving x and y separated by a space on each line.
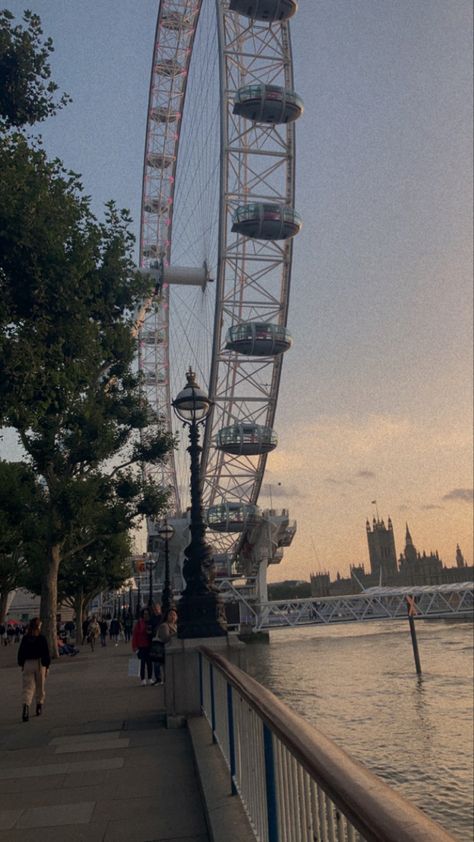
201 613
139 601
166 533
149 565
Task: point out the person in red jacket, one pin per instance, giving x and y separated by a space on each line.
141 643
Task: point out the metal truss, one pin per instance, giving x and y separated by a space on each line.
175 30
431 602
253 277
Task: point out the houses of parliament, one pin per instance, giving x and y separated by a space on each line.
411 568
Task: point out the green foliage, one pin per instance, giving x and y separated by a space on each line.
105 566
68 293
289 589
20 504
27 92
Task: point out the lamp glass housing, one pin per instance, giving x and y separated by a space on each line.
166 532
191 404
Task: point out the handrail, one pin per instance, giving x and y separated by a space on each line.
378 812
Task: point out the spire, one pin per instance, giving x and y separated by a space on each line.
410 549
460 562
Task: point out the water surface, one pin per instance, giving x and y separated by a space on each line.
357 683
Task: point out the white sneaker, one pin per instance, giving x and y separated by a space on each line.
144 682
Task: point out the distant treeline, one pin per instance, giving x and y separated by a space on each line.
289 590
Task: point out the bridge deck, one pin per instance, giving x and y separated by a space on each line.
430 602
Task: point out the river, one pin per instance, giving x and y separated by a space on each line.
357 683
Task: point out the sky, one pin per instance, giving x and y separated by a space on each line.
376 394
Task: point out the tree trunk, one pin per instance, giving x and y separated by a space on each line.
3 605
49 599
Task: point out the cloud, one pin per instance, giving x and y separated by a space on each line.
429 506
464 494
365 474
332 481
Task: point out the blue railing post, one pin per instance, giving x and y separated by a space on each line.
213 704
201 687
270 785
230 720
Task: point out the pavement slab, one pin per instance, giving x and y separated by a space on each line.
80 739
9 818
63 833
98 765
57 815
99 745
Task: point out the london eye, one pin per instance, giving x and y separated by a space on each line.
218 219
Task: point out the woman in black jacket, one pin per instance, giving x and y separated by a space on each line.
34 660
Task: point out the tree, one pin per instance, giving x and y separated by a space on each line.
20 501
27 91
68 291
289 589
103 566
106 567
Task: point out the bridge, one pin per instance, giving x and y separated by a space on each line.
455 601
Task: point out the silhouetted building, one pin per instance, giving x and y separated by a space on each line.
382 554
413 568
419 569
459 557
320 584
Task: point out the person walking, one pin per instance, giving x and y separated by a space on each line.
127 626
141 643
103 625
34 660
93 633
114 631
85 629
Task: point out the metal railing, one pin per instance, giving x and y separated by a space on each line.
432 601
295 784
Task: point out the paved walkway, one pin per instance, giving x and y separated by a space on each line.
99 763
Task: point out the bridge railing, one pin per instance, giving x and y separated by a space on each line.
435 602
295 784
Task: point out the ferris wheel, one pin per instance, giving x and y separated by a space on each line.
217 224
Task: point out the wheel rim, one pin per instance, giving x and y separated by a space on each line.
252 283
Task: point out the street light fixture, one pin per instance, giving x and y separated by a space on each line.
138 606
166 533
201 613
149 565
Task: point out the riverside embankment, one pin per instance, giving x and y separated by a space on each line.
99 764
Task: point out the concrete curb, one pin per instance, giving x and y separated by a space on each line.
225 815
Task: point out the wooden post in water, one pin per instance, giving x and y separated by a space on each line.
411 606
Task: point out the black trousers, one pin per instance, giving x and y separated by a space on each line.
145 661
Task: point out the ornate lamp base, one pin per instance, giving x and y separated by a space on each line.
201 615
